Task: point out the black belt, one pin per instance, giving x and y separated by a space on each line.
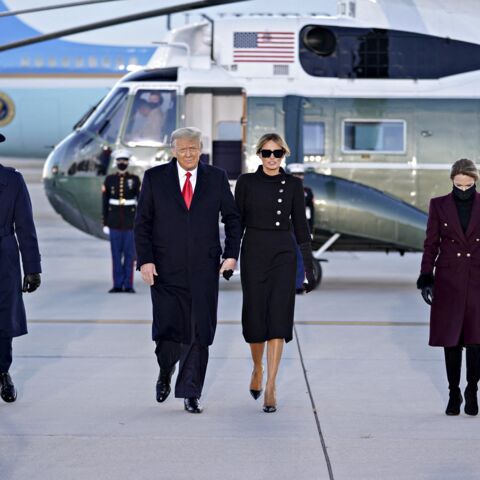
6 231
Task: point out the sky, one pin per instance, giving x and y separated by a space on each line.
146 31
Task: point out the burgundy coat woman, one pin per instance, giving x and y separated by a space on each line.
456 258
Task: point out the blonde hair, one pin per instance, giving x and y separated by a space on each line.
274 137
190 133
464 166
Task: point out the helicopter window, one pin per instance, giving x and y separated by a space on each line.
314 138
229 131
152 118
106 121
374 136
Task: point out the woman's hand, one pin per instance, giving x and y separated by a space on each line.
427 294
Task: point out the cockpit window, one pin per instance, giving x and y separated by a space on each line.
152 118
106 121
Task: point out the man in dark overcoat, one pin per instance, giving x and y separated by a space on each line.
17 230
178 249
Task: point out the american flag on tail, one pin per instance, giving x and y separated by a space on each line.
263 47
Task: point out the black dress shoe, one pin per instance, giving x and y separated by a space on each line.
7 392
192 405
129 290
454 402
115 290
255 393
471 403
163 385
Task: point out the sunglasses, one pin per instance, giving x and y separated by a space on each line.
276 153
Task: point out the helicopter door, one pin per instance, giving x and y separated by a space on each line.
219 114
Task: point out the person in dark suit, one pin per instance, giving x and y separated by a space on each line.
178 248
271 205
119 194
17 230
449 281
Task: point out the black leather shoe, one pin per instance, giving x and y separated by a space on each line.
471 403
7 392
454 402
192 405
269 408
129 290
115 290
163 385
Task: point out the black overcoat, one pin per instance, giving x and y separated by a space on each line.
16 230
455 255
185 247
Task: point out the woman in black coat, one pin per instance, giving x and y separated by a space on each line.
270 203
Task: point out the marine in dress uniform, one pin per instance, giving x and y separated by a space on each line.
120 194
450 273
17 231
297 170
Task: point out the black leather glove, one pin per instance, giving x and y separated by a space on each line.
307 257
31 282
227 274
427 294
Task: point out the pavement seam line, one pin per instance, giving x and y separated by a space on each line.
314 408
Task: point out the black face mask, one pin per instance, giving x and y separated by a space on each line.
464 195
122 166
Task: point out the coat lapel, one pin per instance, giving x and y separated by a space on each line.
451 211
475 216
174 184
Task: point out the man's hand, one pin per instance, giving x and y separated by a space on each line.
148 271
31 282
227 268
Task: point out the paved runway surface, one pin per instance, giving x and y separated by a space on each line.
360 394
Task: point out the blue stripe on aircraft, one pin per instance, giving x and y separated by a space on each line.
61 56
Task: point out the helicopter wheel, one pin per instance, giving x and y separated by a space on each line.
317 272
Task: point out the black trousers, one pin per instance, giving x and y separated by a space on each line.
453 364
5 354
193 365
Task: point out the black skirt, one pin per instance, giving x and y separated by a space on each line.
268 268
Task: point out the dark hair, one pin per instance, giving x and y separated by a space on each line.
274 137
464 166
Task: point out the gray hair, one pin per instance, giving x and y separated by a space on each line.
190 133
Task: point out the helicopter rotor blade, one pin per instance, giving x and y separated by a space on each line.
46 8
117 21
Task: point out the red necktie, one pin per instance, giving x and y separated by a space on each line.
187 190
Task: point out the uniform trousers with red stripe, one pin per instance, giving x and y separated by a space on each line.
122 244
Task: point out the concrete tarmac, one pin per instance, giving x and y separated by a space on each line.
360 394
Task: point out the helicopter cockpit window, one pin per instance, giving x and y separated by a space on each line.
107 118
152 118
372 136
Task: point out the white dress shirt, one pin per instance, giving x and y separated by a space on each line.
182 177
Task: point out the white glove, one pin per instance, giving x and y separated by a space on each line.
106 230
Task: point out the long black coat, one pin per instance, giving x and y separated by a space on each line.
185 247
16 223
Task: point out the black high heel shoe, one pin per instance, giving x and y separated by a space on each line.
454 402
256 393
270 408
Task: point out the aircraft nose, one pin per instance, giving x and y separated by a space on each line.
2 138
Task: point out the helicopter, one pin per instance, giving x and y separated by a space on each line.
374 108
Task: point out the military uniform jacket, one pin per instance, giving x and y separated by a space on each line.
455 256
184 245
120 194
17 230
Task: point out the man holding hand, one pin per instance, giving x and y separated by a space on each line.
178 249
